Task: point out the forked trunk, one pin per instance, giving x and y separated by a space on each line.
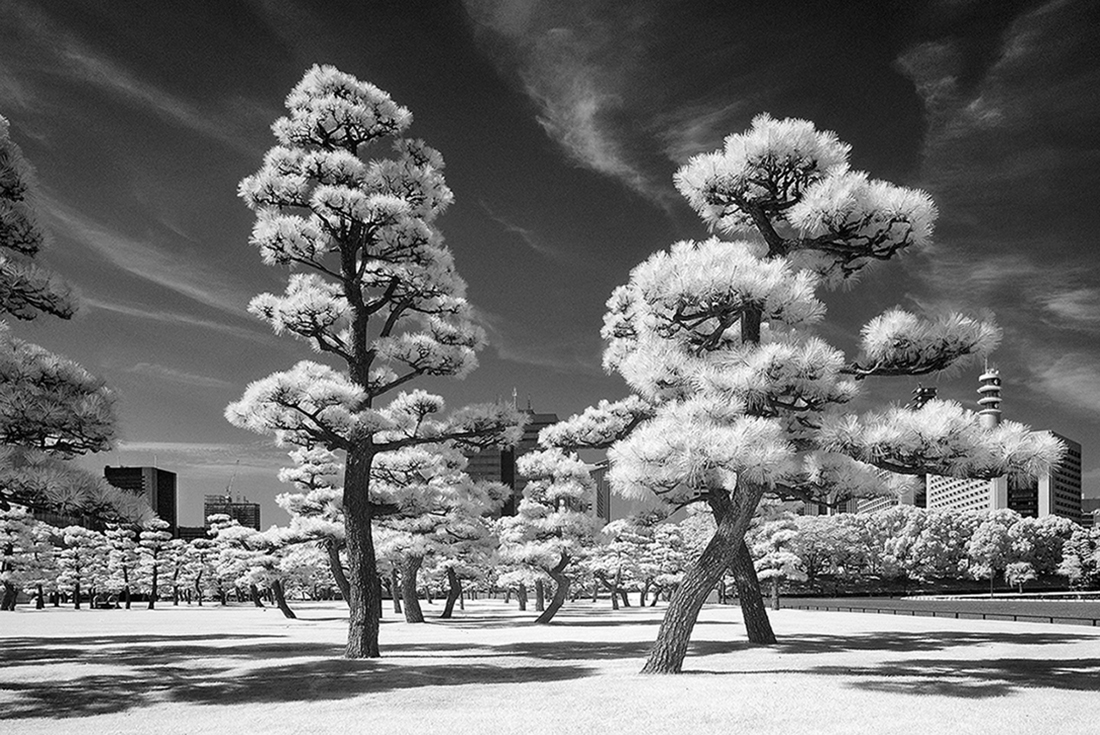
364 600
540 596
332 550
732 516
413 613
560 592
454 591
757 626
395 590
280 599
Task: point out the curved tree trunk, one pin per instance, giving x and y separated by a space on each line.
254 594
332 550
395 590
540 596
280 599
363 586
521 597
413 613
454 591
560 592
757 626
732 515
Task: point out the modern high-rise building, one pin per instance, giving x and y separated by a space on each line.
1056 492
157 486
240 510
603 492
497 464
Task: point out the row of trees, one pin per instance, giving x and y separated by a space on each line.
902 545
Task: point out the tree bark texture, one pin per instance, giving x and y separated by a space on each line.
732 514
757 626
540 596
8 601
363 622
562 581
521 597
280 599
454 591
332 549
395 590
413 613
252 592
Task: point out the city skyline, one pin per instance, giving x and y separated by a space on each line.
561 127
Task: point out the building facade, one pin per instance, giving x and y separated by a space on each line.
240 510
496 464
157 486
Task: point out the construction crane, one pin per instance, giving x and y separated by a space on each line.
229 485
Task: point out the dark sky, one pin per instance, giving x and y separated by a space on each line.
562 124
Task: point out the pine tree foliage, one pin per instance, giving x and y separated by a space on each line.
376 290
26 289
718 336
82 562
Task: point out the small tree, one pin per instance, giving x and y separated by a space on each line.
154 546
379 293
16 539
772 549
990 548
83 562
1081 559
552 529
122 559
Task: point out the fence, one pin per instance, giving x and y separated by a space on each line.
956 614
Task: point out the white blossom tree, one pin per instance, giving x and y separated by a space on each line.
1081 559
377 292
718 336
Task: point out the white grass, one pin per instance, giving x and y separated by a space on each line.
242 670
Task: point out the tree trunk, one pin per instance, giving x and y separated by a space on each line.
126 595
337 569
644 593
540 596
363 622
76 595
453 592
413 613
395 590
521 597
755 614
732 516
39 603
656 596
775 593
255 594
280 599
8 603
560 592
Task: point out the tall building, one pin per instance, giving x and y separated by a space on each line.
496 464
1056 492
240 510
603 492
157 486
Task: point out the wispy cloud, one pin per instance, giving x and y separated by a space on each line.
566 354
60 52
573 64
179 319
1073 380
1076 308
163 372
147 261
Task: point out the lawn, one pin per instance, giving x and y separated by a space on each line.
242 670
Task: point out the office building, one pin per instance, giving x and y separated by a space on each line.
1056 492
157 486
498 464
240 510
602 509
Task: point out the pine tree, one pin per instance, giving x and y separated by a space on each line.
123 558
154 547
718 337
82 563
16 534
378 292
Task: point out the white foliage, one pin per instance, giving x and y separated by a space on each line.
898 342
767 166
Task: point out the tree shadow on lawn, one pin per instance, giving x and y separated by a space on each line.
306 681
153 650
963 678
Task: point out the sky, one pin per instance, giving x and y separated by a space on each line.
562 124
